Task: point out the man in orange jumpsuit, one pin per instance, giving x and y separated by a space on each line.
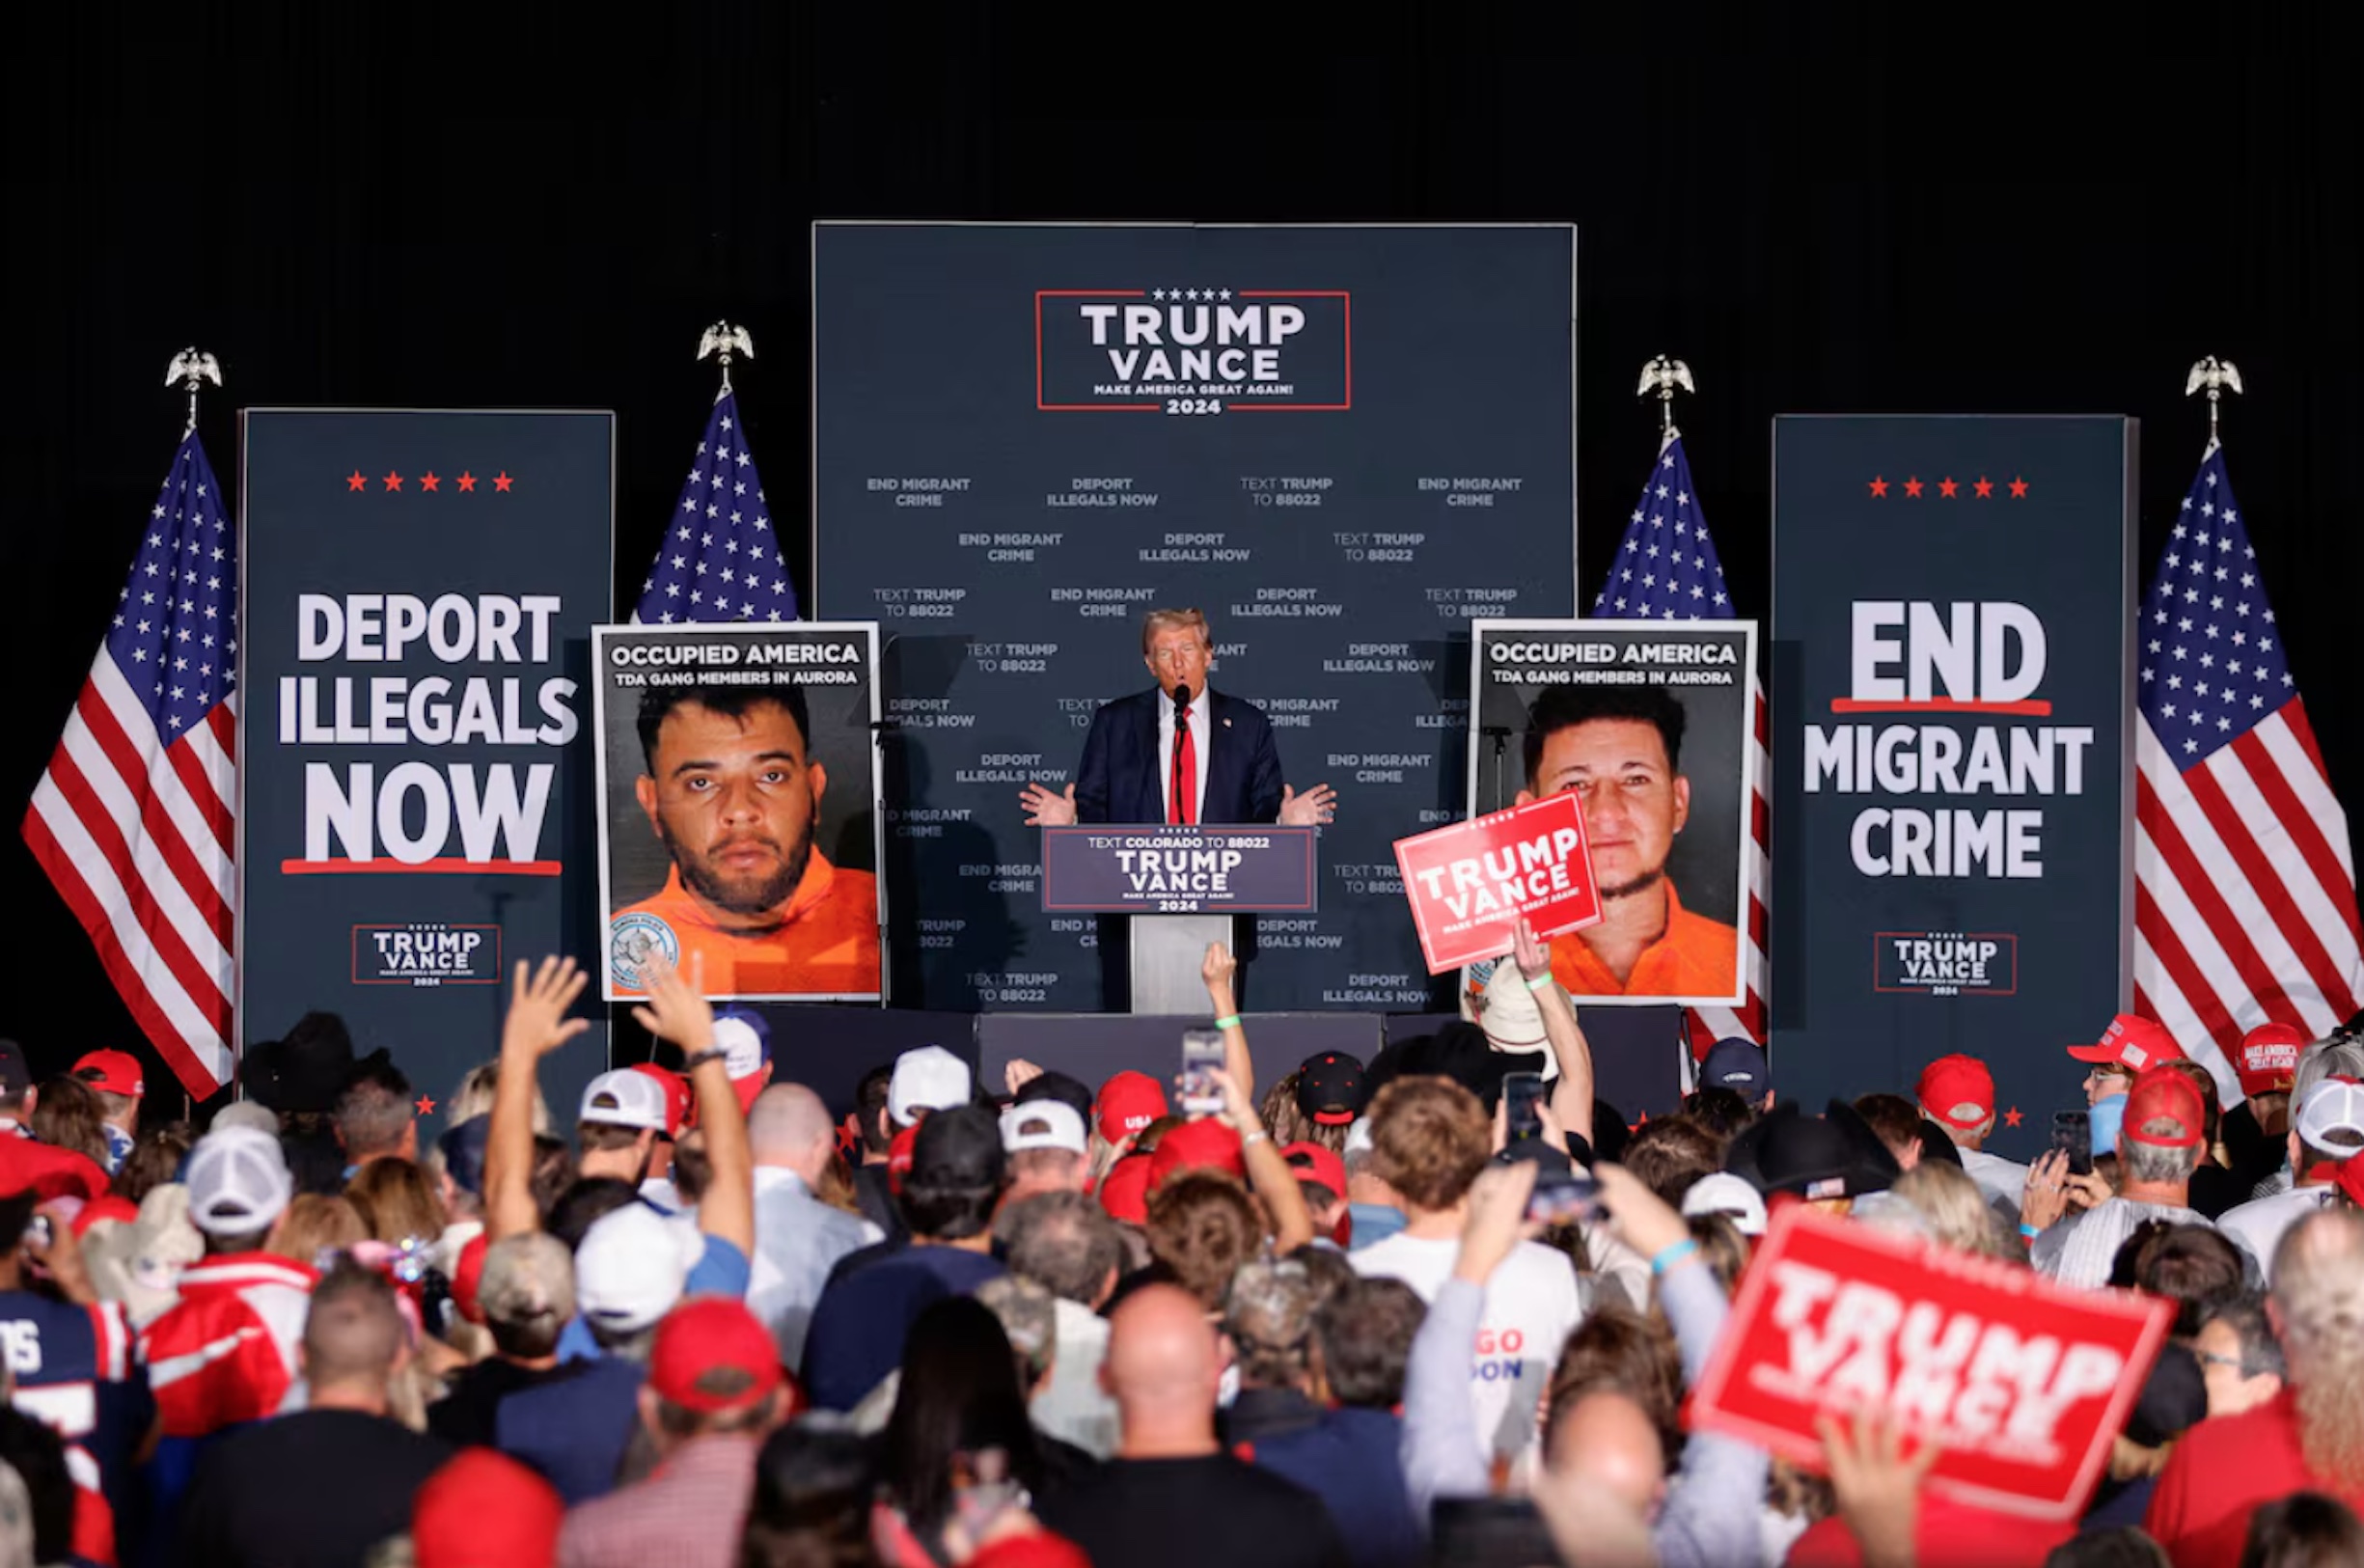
1620 749
732 790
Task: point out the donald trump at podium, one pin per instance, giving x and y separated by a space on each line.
1179 754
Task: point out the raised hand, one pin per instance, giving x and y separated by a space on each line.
1528 950
1316 805
538 1023
1018 1074
676 1008
1879 1488
1047 809
2045 1198
1219 969
1238 1109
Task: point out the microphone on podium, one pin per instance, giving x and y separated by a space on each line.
1181 706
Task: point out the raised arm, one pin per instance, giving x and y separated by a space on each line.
676 1010
537 1026
1269 1176
1219 969
1572 1097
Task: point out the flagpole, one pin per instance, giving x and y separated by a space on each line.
724 339
1663 376
2215 375
193 369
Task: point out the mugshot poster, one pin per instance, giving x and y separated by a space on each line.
1952 768
417 601
1649 721
738 823
1342 445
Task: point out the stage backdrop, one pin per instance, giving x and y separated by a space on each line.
1952 812
416 756
1342 444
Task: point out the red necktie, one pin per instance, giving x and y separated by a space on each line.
1184 808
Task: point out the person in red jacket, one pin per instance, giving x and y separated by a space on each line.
2311 1437
226 1351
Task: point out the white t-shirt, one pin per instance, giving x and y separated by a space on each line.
1531 1307
2258 1225
2003 1181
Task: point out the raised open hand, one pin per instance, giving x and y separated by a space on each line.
537 1020
1313 807
1046 807
676 1008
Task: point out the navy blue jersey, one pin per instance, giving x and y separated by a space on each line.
77 1372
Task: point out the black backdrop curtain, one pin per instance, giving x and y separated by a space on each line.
1825 208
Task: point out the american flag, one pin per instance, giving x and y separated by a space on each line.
1666 570
2246 895
132 818
720 559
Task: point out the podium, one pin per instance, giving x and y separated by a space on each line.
1180 888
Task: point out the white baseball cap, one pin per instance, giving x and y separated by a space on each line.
632 1267
625 1098
1043 1124
929 1078
745 1041
1494 997
2332 1106
1719 1192
238 1181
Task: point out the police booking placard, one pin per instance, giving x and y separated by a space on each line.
1645 724
739 811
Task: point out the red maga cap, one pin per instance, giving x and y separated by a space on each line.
1952 1084
2131 1043
2163 1094
2268 1059
1128 1102
712 1355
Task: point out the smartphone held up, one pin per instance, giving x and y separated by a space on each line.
1202 1058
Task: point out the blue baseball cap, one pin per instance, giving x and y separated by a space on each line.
1738 1064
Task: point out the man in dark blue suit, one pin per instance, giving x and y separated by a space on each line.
1140 766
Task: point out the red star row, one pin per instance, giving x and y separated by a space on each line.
1983 488
429 480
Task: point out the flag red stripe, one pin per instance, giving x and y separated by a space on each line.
2259 871
2293 714
186 1064
2182 864
2306 836
202 793
2167 949
156 824
204 988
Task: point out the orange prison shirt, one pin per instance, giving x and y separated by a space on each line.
827 945
1694 956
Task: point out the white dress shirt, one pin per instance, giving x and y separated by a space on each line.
1199 723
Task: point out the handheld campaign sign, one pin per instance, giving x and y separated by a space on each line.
1469 883
2022 1382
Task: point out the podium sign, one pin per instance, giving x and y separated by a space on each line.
1148 870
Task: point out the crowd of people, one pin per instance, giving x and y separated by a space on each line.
1375 1314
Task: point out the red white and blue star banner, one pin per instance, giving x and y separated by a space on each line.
2245 903
421 588
1952 752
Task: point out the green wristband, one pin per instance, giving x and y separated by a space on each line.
1230 1021
1539 982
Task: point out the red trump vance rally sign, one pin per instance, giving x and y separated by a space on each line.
1469 884
2021 1384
